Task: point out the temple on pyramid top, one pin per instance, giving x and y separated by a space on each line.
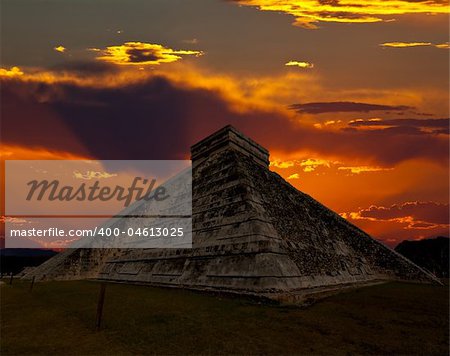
229 138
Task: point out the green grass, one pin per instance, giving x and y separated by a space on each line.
58 318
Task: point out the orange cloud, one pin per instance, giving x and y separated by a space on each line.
405 44
414 44
299 64
311 164
293 176
308 13
336 124
282 164
60 49
363 169
308 165
10 73
16 152
140 53
445 45
413 215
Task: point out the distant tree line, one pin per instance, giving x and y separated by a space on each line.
431 254
15 260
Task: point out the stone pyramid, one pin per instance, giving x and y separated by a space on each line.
253 233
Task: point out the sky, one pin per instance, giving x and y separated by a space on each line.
350 97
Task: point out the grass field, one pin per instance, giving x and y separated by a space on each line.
59 317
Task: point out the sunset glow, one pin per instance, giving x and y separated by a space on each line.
354 113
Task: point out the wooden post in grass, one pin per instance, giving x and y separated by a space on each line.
11 278
32 284
101 301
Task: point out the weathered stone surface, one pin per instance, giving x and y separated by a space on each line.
252 233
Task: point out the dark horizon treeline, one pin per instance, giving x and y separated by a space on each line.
16 259
431 254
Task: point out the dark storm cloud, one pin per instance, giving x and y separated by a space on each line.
343 106
149 120
157 119
139 56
